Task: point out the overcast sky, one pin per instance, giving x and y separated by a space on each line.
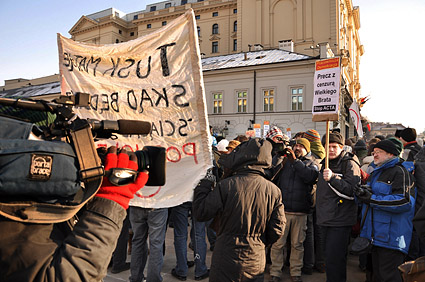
391 71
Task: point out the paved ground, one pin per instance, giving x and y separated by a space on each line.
354 273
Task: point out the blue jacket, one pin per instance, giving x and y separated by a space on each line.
392 207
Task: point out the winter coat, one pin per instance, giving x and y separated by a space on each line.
410 150
250 210
335 205
419 220
392 207
296 183
62 251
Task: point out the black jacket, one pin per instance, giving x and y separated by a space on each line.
335 205
296 181
250 210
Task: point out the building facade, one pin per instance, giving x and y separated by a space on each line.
236 27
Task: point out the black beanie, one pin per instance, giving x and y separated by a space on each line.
388 147
360 145
408 134
398 133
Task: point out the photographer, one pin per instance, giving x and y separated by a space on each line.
76 250
388 206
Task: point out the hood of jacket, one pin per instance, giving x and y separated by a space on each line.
254 155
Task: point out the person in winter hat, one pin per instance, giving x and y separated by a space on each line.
388 209
411 146
317 149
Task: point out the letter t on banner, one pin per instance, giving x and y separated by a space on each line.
355 116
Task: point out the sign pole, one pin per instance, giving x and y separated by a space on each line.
327 145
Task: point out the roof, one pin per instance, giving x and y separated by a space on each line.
33 90
253 58
208 64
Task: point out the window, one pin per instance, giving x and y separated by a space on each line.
214 47
153 8
164 23
199 30
235 11
167 5
241 101
215 29
215 14
184 2
197 17
268 98
148 26
235 44
235 26
117 41
117 14
119 31
135 17
297 98
132 33
217 102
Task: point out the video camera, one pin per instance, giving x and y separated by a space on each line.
65 125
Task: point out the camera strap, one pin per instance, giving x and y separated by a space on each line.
91 173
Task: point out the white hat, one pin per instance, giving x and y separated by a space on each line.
222 145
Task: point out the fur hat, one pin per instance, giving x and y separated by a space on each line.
312 135
408 134
304 142
335 137
398 133
388 146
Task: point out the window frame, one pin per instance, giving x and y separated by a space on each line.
235 26
214 47
235 45
273 96
241 108
298 96
214 14
215 29
217 107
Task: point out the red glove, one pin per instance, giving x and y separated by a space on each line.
121 194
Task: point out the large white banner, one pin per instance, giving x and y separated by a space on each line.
155 78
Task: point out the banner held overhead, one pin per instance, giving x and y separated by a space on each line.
326 90
155 78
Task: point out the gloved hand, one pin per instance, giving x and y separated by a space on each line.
363 193
121 194
290 154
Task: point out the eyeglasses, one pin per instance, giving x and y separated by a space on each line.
278 138
377 152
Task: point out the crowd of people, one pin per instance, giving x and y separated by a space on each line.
271 200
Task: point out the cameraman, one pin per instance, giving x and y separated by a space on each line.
76 250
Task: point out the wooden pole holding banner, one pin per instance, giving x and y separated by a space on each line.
327 145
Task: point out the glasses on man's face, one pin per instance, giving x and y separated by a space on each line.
377 152
280 139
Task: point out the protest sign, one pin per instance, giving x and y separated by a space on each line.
155 78
326 90
355 116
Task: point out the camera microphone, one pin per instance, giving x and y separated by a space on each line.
122 126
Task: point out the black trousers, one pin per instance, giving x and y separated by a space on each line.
385 264
336 250
120 254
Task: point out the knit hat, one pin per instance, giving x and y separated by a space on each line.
408 134
312 135
233 144
360 145
304 142
388 147
335 137
274 131
397 143
221 146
